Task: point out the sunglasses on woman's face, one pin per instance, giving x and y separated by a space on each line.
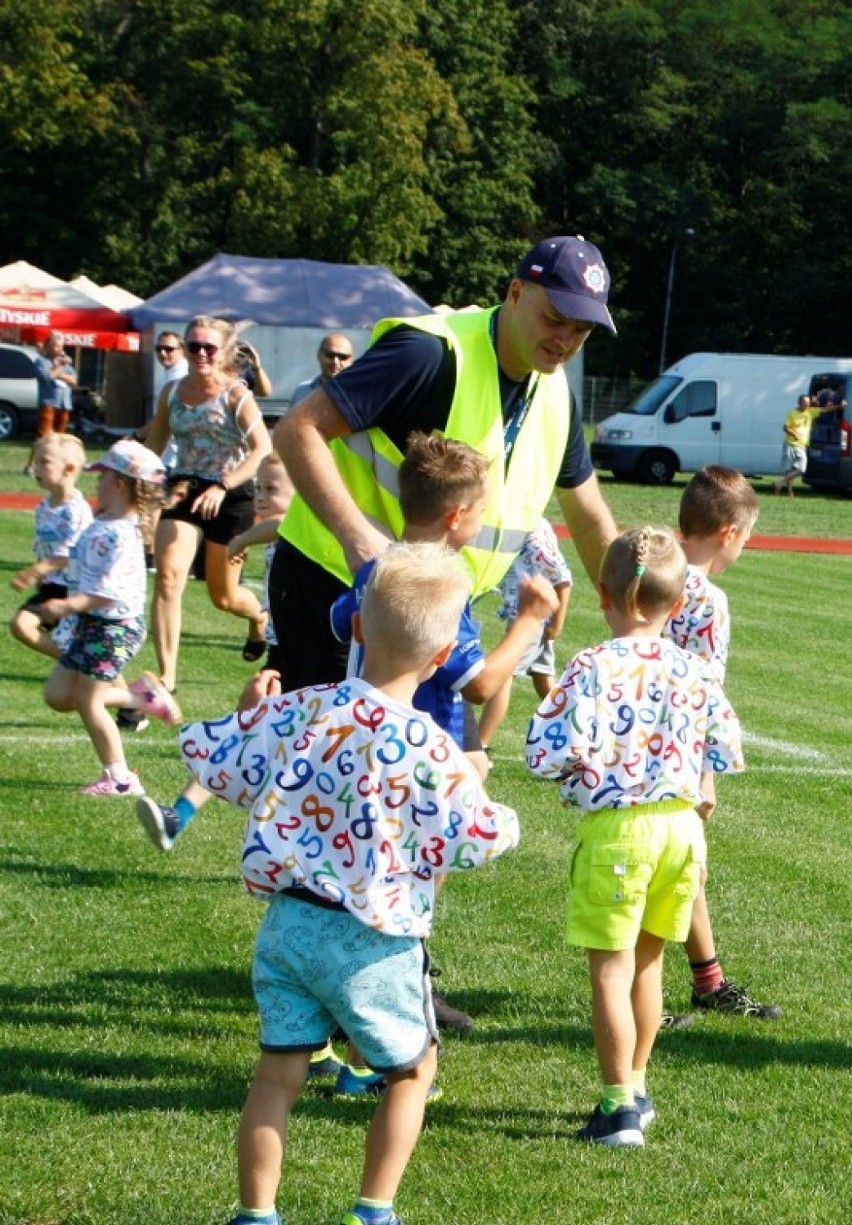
199 346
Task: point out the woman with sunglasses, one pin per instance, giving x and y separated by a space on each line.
220 438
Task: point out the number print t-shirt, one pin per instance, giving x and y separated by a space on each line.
353 795
633 721
703 625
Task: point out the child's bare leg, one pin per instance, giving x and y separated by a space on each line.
543 682
26 627
700 945
395 1128
613 1021
262 1138
93 697
647 996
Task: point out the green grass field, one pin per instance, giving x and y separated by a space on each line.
127 1026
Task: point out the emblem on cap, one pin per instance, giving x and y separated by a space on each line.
595 278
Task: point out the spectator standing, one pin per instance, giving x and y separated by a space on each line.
171 355
334 354
797 434
56 378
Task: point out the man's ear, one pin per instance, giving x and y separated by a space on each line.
453 518
357 632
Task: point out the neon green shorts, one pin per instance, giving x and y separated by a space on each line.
635 869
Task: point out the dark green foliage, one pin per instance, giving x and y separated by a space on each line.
138 139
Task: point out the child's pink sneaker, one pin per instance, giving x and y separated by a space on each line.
107 785
156 699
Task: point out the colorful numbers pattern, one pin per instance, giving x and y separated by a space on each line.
362 799
633 721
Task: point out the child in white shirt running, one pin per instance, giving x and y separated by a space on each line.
61 516
107 600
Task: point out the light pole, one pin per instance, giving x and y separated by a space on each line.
687 233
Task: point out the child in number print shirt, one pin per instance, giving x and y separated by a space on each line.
718 510
627 731
356 802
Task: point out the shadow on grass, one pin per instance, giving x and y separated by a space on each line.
66 876
734 1042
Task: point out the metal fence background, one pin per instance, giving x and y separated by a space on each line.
604 396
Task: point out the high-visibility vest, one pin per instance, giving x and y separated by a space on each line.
368 461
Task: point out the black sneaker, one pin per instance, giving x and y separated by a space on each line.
447 1016
621 1128
131 720
676 1020
159 822
736 1000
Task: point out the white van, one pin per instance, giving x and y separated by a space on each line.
710 408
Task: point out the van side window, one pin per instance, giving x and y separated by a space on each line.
696 399
15 365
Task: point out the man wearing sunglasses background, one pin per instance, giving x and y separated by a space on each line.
172 358
334 354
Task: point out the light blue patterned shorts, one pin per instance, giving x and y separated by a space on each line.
316 969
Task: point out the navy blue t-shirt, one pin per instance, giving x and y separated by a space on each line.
406 382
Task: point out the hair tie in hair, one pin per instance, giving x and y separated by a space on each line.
640 570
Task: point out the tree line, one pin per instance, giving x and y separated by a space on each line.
703 144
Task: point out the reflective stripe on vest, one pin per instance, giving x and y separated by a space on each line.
368 461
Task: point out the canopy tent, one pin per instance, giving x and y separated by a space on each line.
290 303
113 296
283 293
33 303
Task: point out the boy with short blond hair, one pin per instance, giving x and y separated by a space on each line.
351 886
718 511
61 518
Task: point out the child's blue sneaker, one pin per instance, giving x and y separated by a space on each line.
350 1085
242 1219
620 1128
159 822
645 1110
352 1218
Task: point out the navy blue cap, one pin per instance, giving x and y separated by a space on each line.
574 274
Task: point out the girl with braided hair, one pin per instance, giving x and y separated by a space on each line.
627 732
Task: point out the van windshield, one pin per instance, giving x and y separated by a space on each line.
649 400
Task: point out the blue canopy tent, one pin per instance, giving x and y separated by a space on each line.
291 303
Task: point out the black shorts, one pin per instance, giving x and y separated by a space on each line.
301 594
235 514
47 591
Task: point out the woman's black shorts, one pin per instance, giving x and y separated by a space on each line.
235 515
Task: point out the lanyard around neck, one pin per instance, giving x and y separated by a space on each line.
512 427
